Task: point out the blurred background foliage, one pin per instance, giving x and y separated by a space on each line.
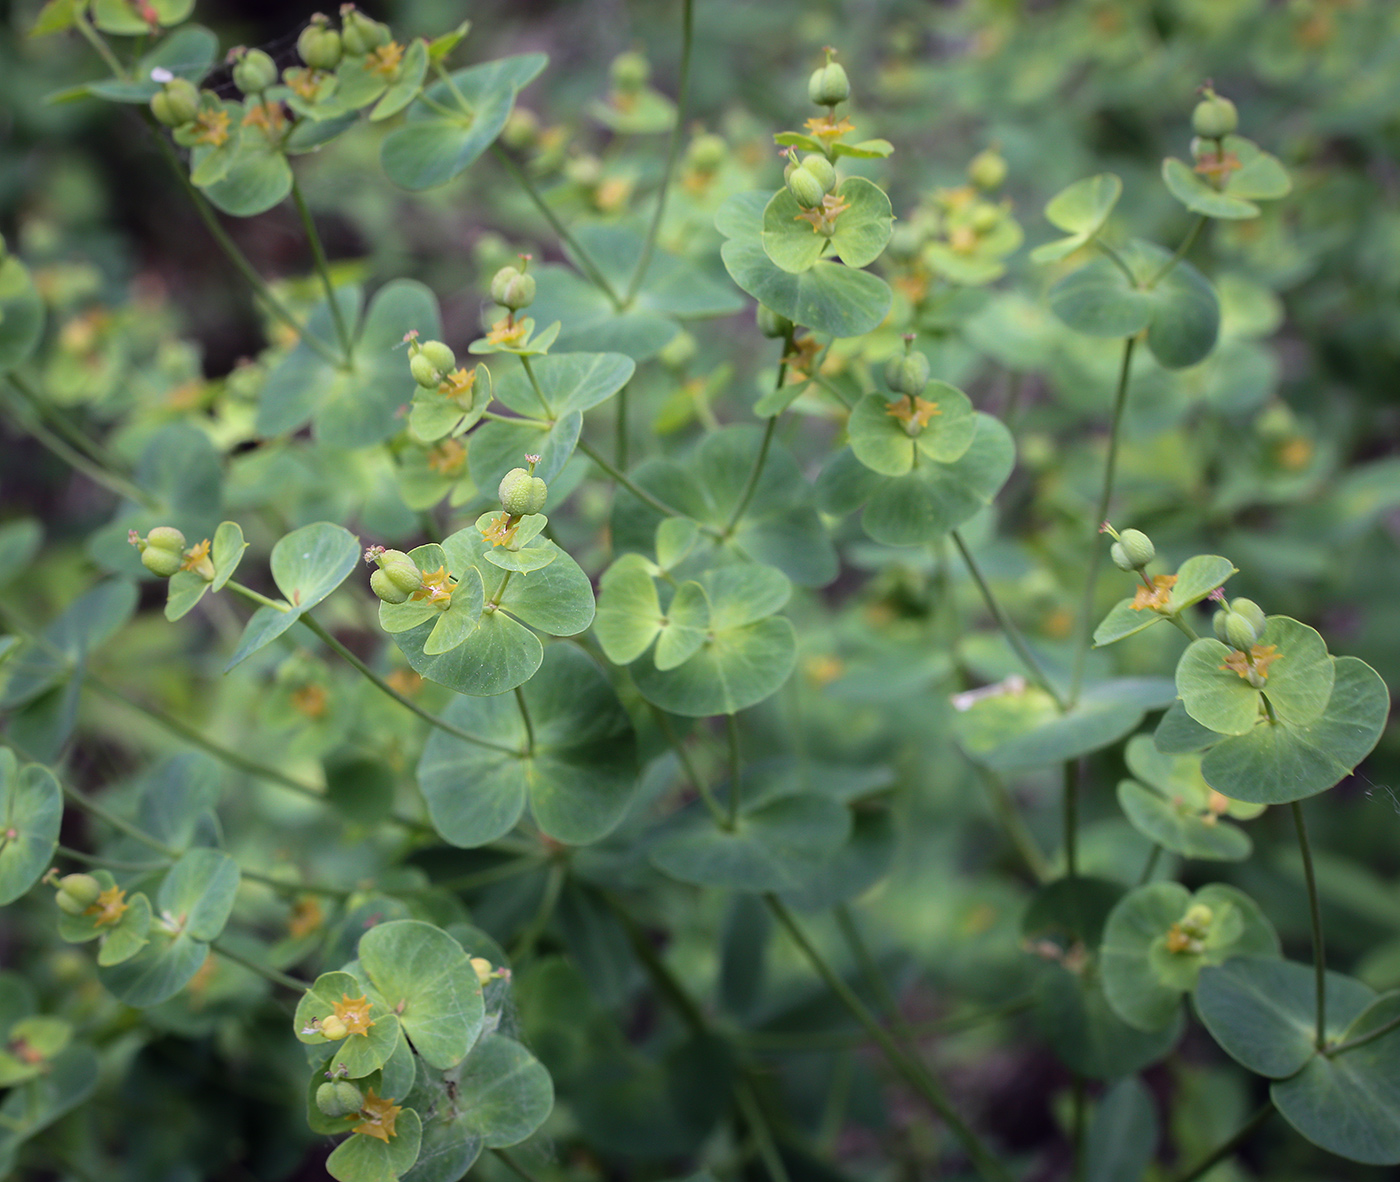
1279 452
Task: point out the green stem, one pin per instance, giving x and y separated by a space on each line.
751 485
87 804
1028 658
656 968
262 970
1362 1039
406 703
1315 913
1086 610
581 256
736 768
258 597
535 385
696 779
514 1166
111 863
1184 628
1078 1119
1186 244
60 424
672 152
870 969
29 420
468 882
1229 1145
636 490
1014 826
1071 819
323 270
1117 260
250 275
296 888
842 1039
752 1113
95 39
495 600
525 718
553 885
911 1070
1146 876
620 430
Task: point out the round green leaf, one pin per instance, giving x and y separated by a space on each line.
736 668
359 1054
197 895
1301 678
1143 978
362 1158
1074 1016
860 234
496 447
504 1093
21 314
629 611
311 562
829 298
568 382
684 626
1197 194
1122 1138
1211 693
1100 301
432 148
257 178
1185 313
426 979
1181 826
163 967
881 441
1084 206
1278 763
773 847
793 243
579 777
1262 1011
31 804
122 17
499 655
934 498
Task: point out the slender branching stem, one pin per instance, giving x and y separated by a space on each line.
286 887
509 1161
549 900
275 306
1229 1145
1186 244
1315 914
1116 259
1014 826
635 489
265 971
914 1073
110 863
581 256
752 1112
28 416
120 824
1071 817
97 41
1183 627
1009 630
258 597
869 967
323 271
1150 865
751 484
697 781
63 425
672 152
407 703
535 385
1086 609
525 718
736 769
845 1039
1362 1039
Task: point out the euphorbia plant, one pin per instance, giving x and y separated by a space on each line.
652 709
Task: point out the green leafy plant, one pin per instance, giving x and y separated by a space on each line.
588 739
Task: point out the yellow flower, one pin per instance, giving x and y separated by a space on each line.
197 560
828 127
447 458
379 1115
437 586
1158 596
507 332
458 386
306 917
501 530
384 61
268 117
109 908
354 1012
1258 659
213 128
822 219
913 410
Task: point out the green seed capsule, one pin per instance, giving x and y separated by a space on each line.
424 372
177 103
397 578
339 1098
1218 622
162 551
1240 632
522 494
439 356
254 71
1137 549
319 44
513 289
360 34
1214 116
706 153
829 85
806 188
77 892
1252 612
987 170
821 168
907 373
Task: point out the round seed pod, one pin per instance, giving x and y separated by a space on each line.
522 494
